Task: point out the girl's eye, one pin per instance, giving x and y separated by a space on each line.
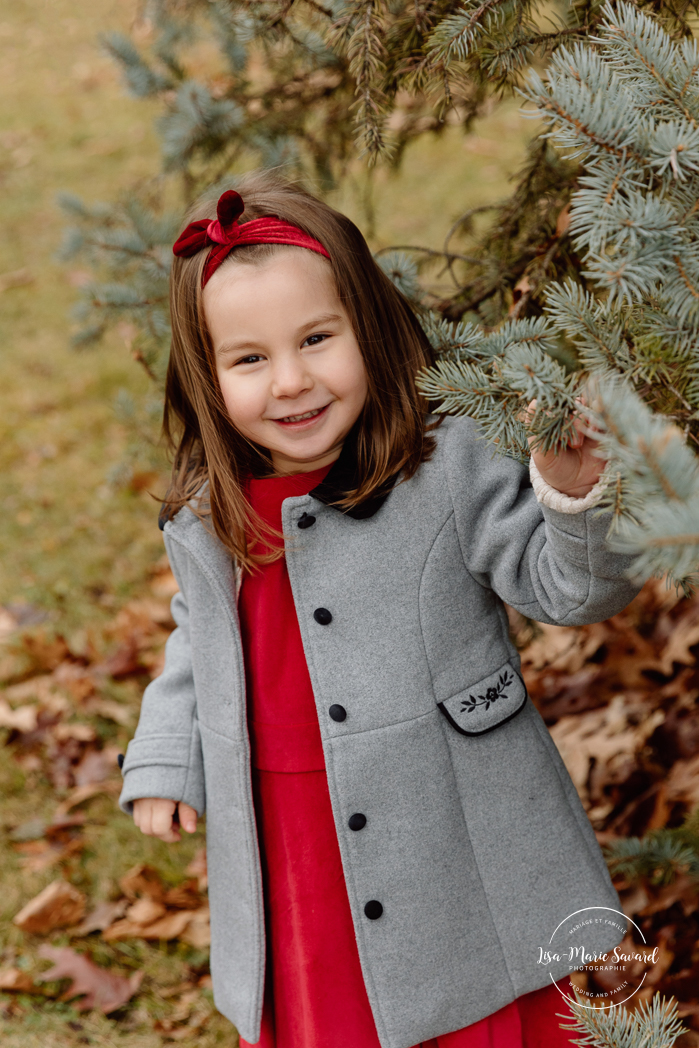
252 359
315 340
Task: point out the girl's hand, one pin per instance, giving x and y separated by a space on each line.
155 817
574 469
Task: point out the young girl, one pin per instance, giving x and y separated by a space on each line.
391 832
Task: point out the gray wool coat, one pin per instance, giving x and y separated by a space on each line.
475 844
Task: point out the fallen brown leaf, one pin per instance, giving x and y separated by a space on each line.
170 926
50 854
110 710
601 736
125 662
142 880
184 897
15 981
684 636
198 931
78 732
57 906
104 914
145 911
46 651
683 782
684 890
24 718
40 688
96 766
76 679
97 987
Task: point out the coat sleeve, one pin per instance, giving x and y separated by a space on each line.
164 758
552 566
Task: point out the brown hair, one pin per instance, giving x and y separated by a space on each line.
205 445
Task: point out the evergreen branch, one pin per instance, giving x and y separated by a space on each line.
634 44
501 60
362 30
654 1025
659 857
658 483
553 110
141 79
454 37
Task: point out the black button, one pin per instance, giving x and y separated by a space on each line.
322 616
307 520
373 909
120 760
357 821
337 712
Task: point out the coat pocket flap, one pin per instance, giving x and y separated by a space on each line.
487 704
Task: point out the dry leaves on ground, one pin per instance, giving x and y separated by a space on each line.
155 912
50 697
621 699
147 909
94 986
51 694
57 906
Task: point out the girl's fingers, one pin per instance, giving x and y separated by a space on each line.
154 817
188 817
141 814
162 817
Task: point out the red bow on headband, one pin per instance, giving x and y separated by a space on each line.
226 233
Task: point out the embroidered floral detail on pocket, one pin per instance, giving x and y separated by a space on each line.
487 704
492 694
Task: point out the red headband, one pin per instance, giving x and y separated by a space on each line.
227 233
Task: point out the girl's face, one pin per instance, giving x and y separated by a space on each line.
291 371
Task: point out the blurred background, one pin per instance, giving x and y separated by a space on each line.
120 922
80 529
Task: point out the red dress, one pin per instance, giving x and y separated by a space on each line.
314 990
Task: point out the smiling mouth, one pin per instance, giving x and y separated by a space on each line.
305 417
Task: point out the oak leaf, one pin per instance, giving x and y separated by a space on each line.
97 987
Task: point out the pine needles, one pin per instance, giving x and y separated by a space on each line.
625 103
654 1025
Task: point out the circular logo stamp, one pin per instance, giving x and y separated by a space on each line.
601 974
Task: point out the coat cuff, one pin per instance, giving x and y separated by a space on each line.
558 500
148 772
170 783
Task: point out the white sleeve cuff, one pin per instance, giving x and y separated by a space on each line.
558 500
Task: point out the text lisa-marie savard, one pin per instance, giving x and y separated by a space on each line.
582 958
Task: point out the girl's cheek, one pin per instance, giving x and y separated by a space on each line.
241 403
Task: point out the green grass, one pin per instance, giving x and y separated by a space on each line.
74 542
68 537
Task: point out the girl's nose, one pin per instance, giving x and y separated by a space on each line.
290 378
